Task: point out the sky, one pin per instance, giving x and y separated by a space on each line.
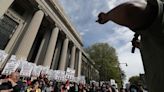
83 14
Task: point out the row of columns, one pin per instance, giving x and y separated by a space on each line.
28 40
30 35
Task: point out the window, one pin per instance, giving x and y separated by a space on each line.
7 28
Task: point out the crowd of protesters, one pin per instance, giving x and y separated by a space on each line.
15 83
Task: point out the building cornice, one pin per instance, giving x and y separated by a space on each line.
64 18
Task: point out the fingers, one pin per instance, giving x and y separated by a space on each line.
101 18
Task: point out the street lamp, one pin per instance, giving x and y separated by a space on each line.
121 75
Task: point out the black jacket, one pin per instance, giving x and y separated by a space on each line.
8 85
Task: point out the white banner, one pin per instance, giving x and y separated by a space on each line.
26 69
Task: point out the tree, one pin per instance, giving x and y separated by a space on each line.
134 80
106 61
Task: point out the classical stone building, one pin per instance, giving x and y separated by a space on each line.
40 32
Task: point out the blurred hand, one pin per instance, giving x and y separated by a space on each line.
102 18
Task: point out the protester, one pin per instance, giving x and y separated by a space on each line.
103 87
140 88
72 87
93 87
10 84
47 87
52 86
109 88
34 86
81 88
133 88
122 90
63 88
67 85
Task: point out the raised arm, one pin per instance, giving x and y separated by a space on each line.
134 14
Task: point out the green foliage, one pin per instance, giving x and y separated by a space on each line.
106 61
134 80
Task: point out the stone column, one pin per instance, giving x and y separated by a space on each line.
62 62
51 47
72 63
4 5
56 55
29 37
79 64
43 48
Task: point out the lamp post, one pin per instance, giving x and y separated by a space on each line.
121 72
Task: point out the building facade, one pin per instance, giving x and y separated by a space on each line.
40 32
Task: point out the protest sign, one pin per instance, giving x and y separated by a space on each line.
70 74
82 79
3 56
36 71
60 75
11 66
50 74
26 69
44 70
21 63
